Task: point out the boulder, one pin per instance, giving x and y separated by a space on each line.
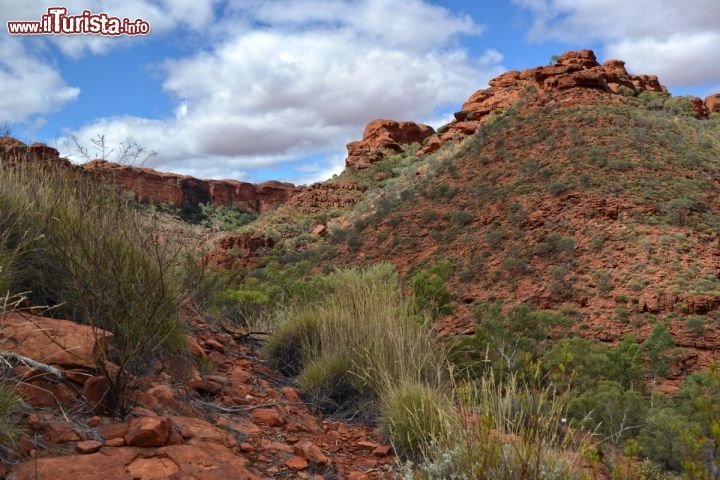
712 103
581 58
267 416
61 343
148 432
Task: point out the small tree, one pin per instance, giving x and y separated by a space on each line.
128 152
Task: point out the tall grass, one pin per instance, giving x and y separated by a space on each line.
83 249
503 430
356 344
360 351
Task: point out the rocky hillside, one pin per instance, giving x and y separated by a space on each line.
576 186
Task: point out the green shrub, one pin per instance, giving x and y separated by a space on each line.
682 433
495 237
296 339
328 383
610 410
222 218
430 294
678 210
506 430
504 342
556 188
653 100
626 91
657 348
679 106
554 244
6 270
461 217
244 307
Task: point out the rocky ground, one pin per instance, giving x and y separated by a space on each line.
217 413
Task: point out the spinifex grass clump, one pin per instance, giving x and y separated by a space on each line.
503 430
81 248
358 346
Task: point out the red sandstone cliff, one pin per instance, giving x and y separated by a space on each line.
150 185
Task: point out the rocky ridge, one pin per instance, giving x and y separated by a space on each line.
576 77
149 185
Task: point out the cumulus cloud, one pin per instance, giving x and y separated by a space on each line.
305 81
676 40
28 85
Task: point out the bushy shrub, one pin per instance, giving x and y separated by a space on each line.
430 294
554 244
100 261
461 217
223 218
505 342
609 409
328 383
244 307
505 430
556 188
679 106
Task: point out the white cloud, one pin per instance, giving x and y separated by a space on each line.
675 40
304 83
28 85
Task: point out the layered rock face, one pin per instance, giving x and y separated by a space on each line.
15 152
182 190
150 185
384 137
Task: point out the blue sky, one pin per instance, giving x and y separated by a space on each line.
258 90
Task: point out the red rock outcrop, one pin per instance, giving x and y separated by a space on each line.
182 190
150 185
15 152
384 137
712 103
572 70
326 196
234 249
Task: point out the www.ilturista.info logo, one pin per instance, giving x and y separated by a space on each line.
58 22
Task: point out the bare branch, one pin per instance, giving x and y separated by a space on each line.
29 362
